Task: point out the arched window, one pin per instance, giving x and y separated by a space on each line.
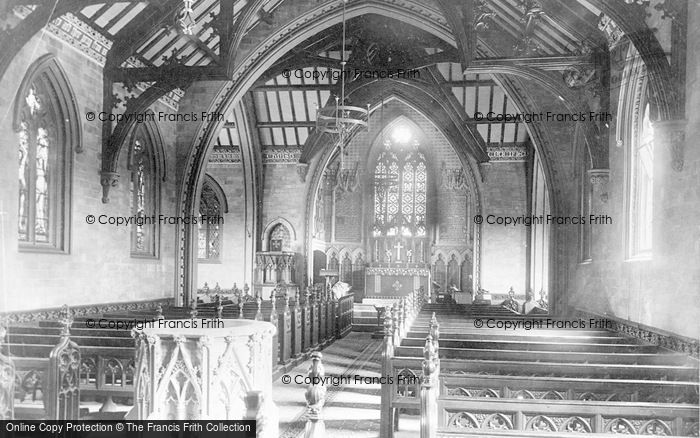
641 188
210 227
46 120
280 240
145 190
400 194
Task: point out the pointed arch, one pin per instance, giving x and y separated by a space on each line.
46 120
212 204
214 185
267 232
146 165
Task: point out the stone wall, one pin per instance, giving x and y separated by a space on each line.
98 267
660 291
504 248
231 266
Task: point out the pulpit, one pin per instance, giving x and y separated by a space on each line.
188 373
273 268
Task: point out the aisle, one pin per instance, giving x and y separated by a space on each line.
352 409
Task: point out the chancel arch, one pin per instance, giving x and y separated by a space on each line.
46 120
405 170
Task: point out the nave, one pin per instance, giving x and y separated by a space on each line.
449 377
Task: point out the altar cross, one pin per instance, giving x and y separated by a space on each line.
398 247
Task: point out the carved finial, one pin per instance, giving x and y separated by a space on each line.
435 330
240 306
65 318
193 309
388 322
159 311
258 314
246 289
217 288
315 398
429 356
205 289
219 308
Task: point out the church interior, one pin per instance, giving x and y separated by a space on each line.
352 218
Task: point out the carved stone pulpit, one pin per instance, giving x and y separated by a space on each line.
273 268
204 373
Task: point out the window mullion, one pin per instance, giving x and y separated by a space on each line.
31 183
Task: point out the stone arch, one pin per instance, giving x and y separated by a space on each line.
469 165
267 232
249 60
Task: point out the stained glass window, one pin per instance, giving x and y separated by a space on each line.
400 194
209 229
45 126
144 194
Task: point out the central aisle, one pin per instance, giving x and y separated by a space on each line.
351 410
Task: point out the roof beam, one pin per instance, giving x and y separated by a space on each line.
163 73
138 30
546 63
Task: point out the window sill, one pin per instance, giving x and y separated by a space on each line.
209 261
41 249
144 256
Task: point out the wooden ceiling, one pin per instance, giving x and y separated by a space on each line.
145 35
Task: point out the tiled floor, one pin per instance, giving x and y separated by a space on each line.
352 409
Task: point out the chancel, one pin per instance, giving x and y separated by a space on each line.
352 218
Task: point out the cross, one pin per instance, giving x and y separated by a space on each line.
398 247
396 286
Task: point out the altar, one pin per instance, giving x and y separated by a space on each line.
391 280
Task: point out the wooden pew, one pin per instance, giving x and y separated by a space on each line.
530 383
54 371
461 416
7 382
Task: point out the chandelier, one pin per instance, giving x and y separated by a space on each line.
340 119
